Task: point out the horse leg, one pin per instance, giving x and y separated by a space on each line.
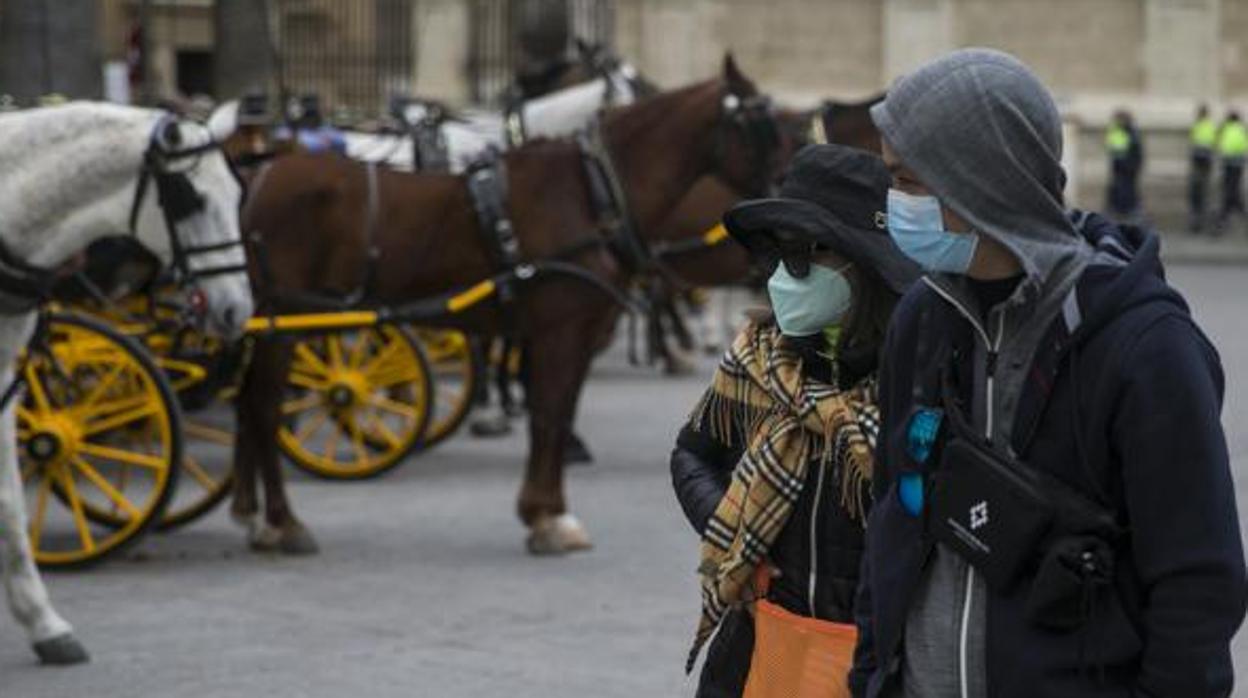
244 504
496 424
50 635
558 363
266 376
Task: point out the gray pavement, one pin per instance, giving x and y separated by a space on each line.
423 589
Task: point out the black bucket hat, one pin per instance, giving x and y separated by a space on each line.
835 197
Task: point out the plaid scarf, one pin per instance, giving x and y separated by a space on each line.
786 420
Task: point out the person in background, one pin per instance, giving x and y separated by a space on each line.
311 133
1054 509
1232 147
1126 161
793 401
1203 138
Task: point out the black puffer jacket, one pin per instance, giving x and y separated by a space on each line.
820 534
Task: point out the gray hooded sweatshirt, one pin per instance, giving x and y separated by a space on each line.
980 130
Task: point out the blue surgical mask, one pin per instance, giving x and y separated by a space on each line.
916 225
808 305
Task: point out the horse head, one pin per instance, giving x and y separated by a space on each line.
191 221
748 149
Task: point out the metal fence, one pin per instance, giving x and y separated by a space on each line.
354 55
491 64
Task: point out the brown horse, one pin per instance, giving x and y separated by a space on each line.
305 217
725 263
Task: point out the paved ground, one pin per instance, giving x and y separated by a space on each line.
423 588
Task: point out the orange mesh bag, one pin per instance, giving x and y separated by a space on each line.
797 656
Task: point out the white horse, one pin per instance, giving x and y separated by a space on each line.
558 114
468 134
72 174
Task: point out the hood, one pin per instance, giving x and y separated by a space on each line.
1125 272
982 132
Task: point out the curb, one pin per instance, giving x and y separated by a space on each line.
1183 249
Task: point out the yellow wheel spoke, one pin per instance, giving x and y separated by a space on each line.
301 404
191 465
41 511
309 357
310 427
357 442
24 416
102 387
376 426
357 351
103 485
407 374
205 432
116 454
334 342
379 359
80 516
147 409
35 386
305 381
331 445
385 403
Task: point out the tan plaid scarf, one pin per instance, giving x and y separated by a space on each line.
787 419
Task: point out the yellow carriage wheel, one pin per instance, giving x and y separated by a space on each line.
207 433
99 432
356 403
455 373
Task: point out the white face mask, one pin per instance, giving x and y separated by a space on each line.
808 305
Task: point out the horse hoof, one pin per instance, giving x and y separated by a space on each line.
61 650
492 426
558 535
297 540
293 539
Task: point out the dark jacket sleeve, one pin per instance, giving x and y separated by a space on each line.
701 471
1180 503
866 663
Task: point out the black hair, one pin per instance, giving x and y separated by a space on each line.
864 326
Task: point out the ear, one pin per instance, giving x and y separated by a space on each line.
738 84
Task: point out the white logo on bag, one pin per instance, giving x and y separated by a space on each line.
979 516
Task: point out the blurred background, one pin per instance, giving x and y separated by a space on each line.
1158 59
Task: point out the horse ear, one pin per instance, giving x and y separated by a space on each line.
738 84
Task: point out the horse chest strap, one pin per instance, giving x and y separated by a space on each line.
607 198
23 287
487 186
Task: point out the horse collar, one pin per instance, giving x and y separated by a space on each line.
609 201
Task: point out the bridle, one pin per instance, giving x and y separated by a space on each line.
178 200
754 118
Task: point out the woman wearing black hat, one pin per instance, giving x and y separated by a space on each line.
773 468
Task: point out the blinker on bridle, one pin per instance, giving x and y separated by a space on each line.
755 117
178 200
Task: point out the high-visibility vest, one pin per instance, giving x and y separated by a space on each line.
1233 141
1204 134
1117 141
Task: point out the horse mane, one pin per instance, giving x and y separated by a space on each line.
648 112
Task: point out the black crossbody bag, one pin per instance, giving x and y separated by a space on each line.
1005 517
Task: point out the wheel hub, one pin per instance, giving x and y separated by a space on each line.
347 390
53 439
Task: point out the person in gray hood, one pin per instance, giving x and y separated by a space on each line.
1054 508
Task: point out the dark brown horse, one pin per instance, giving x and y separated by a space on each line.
725 263
306 216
